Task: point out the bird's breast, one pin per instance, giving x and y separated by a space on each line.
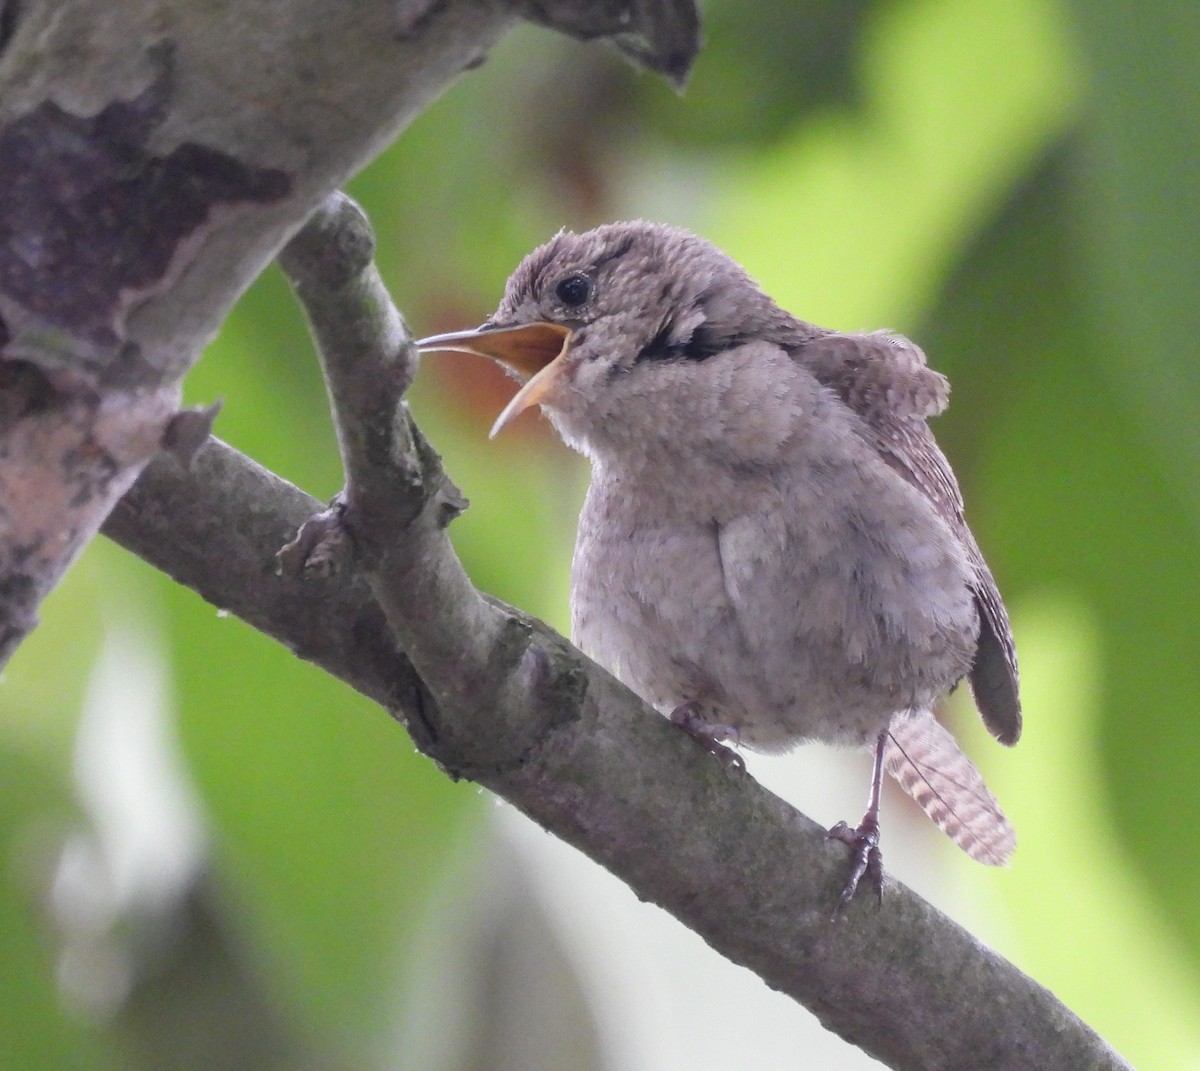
796 605
648 599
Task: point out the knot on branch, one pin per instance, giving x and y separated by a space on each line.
319 544
188 430
532 684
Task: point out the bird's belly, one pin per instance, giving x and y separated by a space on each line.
658 610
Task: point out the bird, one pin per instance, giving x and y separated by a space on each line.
772 549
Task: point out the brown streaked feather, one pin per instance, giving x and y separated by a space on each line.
884 379
929 765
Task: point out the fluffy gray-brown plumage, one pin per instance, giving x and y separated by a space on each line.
773 547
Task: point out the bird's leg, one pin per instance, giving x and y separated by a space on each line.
688 717
865 839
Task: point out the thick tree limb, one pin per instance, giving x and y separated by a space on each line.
499 698
154 156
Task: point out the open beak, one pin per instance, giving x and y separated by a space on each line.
535 352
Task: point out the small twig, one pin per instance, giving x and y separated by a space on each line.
398 500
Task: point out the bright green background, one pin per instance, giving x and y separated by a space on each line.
1012 184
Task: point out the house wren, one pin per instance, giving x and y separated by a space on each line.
772 548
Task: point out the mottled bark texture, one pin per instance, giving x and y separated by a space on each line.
154 156
497 697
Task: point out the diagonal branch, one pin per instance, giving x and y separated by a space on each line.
498 697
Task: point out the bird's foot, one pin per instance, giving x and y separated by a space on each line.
867 859
709 735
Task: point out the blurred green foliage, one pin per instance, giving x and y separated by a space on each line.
1014 185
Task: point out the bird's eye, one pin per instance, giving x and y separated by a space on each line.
574 290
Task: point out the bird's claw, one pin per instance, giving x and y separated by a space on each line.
867 859
709 735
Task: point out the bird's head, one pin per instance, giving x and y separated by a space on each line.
610 325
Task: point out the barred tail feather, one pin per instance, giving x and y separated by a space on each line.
927 762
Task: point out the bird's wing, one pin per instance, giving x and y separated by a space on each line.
884 379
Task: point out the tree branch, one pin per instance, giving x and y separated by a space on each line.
154 156
503 700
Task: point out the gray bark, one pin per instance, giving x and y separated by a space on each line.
154 156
